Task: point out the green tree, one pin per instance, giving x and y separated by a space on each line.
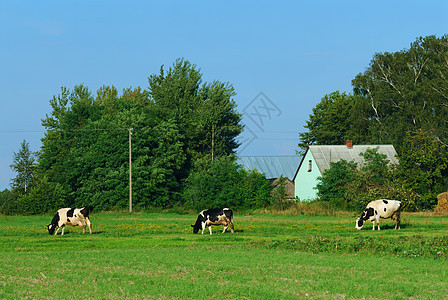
406 91
205 112
43 197
399 95
334 120
218 120
349 186
85 148
7 202
332 185
159 166
279 194
423 167
399 92
223 183
373 180
24 164
376 166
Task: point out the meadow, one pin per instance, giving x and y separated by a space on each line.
270 256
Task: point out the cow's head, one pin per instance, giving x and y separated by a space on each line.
196 228
51 228
359 223
368 212
198 225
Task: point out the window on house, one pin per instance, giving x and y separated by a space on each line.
309 165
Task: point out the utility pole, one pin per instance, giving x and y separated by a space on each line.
130 170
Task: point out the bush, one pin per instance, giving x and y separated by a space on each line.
347 187
279 195
7 202
223 183
332 186
41 198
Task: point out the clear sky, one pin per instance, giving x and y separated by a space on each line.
281 57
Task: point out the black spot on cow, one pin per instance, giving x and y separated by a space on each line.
376 212
70 212
213 218
385 209
85 211
68 220
385 202
367 213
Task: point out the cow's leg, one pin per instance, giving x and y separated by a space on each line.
89 224
210 228
225 228
63 228
396 216
373 224
231 226
203 227
57 230
378 222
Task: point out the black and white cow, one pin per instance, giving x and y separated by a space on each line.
377 209
213 216
70 216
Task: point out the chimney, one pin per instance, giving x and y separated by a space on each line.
349 144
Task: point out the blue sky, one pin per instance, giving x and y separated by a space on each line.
281 57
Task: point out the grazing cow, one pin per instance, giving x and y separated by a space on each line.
214 216
380 209
70 216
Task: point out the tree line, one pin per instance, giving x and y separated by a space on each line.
182 133
400 99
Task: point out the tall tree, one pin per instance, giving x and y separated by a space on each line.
400 99
205 112
406 91
24 164
335 119
218 120
399 92
424 166
85 148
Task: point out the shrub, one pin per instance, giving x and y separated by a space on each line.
223 183
41 198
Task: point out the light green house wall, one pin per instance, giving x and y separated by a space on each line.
306 178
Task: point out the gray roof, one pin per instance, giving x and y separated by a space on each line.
323 155
271 166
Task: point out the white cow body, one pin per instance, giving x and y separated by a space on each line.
377 209
72 217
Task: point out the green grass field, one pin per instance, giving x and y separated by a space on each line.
156 256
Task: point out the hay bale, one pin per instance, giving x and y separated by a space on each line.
442 203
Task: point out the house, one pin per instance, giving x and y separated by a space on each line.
317 159
273 167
